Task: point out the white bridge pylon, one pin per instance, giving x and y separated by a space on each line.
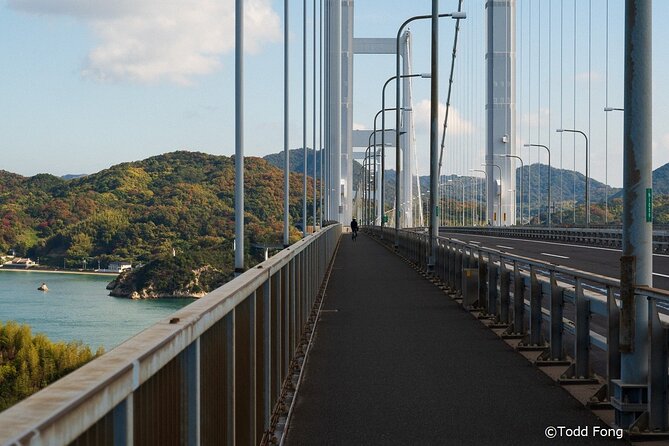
408 142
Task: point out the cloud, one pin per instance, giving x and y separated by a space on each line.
532 119
149 41
358 126
457 125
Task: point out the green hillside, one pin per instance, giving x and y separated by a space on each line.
142 211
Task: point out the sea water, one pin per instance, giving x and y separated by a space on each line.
78 307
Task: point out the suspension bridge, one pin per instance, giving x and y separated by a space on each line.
482 304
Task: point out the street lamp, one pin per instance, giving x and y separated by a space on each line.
500 188
485 175
549 177
383 142
587 176
606 189
454 15
522 168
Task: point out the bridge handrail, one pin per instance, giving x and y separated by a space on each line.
109 396
491 287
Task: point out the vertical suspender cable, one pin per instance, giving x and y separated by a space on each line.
561 103
239 136
574 116
550 89
519 69
606 122
320 105
313 116
587 173
286 109
305 158
539 32
529 99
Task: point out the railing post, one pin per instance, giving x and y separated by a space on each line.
191 391
459 267
123 423
518 301
536 317
580 371
557 307
243 376
483 285
504 298
582 333
275 373
657 376
613 341
493 273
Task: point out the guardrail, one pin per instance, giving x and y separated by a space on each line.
209 374
543 304
605 237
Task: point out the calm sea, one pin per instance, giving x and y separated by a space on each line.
78 307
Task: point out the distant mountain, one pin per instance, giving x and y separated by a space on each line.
660 181
297 163
72 176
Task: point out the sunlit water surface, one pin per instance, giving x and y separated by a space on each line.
78 307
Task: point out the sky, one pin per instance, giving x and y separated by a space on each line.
91 83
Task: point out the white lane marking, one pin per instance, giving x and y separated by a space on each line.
554 255
474 241
661 275
505 247
559 244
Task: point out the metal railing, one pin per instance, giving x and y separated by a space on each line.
605 237
210 374
562 312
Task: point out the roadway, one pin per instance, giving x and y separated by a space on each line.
593 259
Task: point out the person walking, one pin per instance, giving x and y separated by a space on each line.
354 229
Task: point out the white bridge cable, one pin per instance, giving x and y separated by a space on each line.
450 88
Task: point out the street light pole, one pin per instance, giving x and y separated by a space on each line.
454 15
522 168
383 144
587 174
549 178
383 139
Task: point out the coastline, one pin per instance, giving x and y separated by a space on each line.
58 271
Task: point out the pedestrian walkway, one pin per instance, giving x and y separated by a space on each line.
396 362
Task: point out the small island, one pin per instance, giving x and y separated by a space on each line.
171 277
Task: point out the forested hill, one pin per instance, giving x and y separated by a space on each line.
141 211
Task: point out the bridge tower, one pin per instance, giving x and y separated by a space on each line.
339 108
501 111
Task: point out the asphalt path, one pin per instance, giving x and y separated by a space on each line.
593 259
396 362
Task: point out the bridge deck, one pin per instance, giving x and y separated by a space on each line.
399 362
